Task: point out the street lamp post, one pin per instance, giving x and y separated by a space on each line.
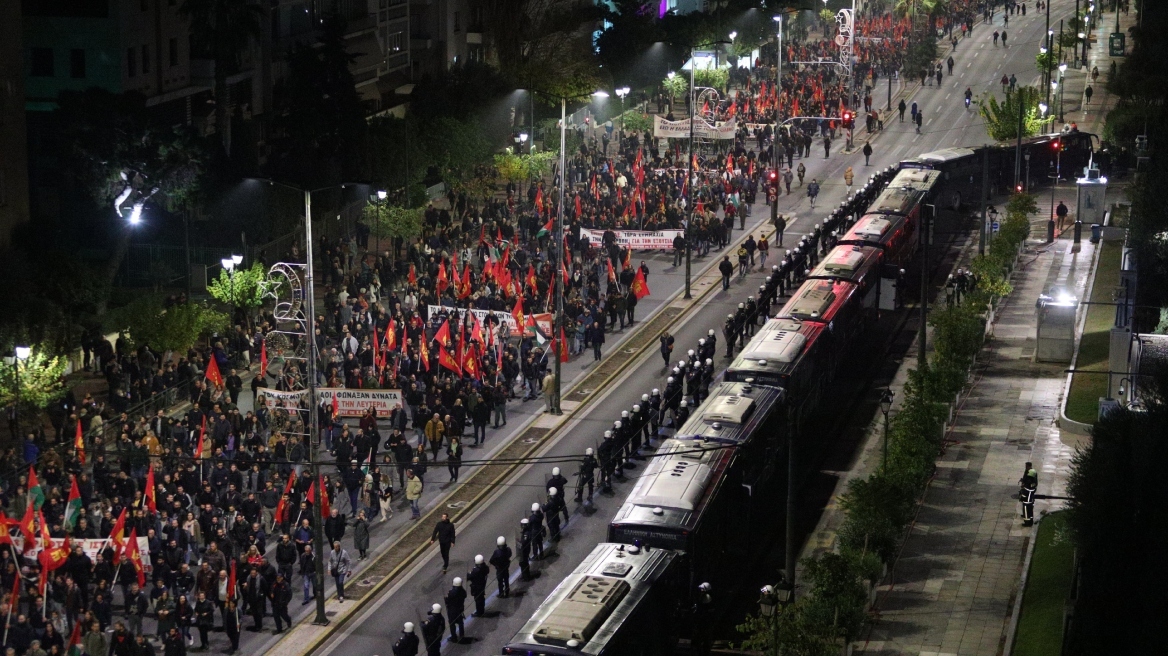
22 353
229 265
885 406
558 266
1061 90
621 93
689 204
778 68
381 201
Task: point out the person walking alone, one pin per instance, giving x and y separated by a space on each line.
339 565
867 152
444 534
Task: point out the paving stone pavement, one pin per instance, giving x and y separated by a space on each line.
952 590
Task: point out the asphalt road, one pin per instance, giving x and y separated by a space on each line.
948 123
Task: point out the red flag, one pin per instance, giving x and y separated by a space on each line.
5 536
79 444
376 348
640 286
425 354
443 334
448 361
483 233
563 346
118 536
391 336
135 556
263 357
150 493
282 507
611 273
471 362
465 286
202 437
74 639
628 263
335 408
212 374
442 282
577 206
413 277
538 199
52 558
28 528
325 511
531 279
231 582
517 313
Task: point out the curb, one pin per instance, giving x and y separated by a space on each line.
1016 612
1062 421
375 591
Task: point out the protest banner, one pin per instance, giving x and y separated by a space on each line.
273 399
702 130
638 240
354 402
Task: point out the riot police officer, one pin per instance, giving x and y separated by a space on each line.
728 329
501 561
682 414
535 528
456 610
525 544
551 511
432 629
607 451
740 324
712 340
751 315
478 585
654 412
407 643
637 418
560 483
586 475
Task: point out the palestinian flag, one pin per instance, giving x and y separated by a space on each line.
73 507
547 228
79 444
36 494
74 646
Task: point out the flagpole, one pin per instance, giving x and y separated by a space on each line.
557 280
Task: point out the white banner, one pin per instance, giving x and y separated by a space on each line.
638 240
680 129
354 402
93 547
504 317
277 399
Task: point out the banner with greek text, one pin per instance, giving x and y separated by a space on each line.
92 547
278 399
680 129
543 320
638 240
354 402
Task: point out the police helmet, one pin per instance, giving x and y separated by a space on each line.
742 306
681 364
709 362
644 397
553 491
435 609
408 627
656 392
669 380
711 333
636 407
729 316
501 541
616 424
702 342
749 299
458 581
624 414
479 558
555 471
524 522
588 451
690 353
684 403
607 434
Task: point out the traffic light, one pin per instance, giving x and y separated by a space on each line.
773 178
1018 188
848 119
1055 145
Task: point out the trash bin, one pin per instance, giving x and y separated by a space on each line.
1096 233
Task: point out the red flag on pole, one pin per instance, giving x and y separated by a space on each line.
135 556
151 494
442 282
231 582
202 437
640 286
563 346
79 444
118 536
448 361
212 374
263 357
413 277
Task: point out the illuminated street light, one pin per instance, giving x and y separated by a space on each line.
733 35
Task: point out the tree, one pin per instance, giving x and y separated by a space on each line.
222 28
458 146
549 49
676 85
166 328
393 222
539 164
36 382
242 289
1001 118
511 167
125 159
1045 62
320 128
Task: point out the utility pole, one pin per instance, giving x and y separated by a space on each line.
926 233
313 423
557 275
690 172
1018 147
985 195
